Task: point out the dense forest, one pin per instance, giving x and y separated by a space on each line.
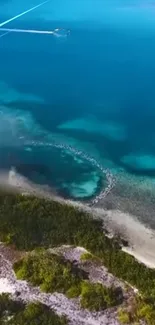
28 223
17 313
138 311
54 274
51 272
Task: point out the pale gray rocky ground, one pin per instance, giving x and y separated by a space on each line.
62 305
97 272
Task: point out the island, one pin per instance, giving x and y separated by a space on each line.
58 265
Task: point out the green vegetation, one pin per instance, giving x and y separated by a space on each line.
9 305
18 313
139 310
90 257
52 273
29 222
95 296
123 316
86 256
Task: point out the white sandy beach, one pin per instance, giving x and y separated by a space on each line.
142 246
141 239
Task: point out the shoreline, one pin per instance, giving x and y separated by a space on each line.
140 258
141 240
108 260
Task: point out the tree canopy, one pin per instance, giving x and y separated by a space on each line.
17 313
29 222
52 273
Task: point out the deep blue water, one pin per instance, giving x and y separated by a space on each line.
93 89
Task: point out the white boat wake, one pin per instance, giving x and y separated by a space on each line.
59 32
4 34
22 14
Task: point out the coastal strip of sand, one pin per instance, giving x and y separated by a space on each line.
141 239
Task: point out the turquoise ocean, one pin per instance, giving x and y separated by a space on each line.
90 85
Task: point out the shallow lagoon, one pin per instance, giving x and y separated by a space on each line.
93 89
